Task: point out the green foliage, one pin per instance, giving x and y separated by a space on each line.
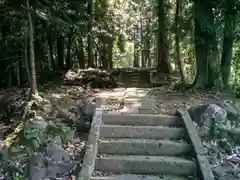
116 20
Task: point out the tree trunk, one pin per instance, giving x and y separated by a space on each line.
110 53
18 64
26 57
60 51
148 44
33 86
136 51
143 64
163 63
227 48
50 50
68 57
90 35
205 45
104 57
81 57
177 40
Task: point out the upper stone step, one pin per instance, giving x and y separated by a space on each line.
150 147
148 132
141 119
138 177
146 165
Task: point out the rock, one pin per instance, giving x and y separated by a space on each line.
57 140
51 163
230 107
208 117
48 108
88 112
37 167
236 134
1 144
94 77
60 162
227 170
199 114
63 113
37 122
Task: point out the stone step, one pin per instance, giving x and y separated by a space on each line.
146 165
148 132
139 177
141 119
148 147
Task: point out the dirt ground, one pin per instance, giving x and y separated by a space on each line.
166 101
223 152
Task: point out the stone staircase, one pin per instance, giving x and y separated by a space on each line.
136 146
133 146
136 79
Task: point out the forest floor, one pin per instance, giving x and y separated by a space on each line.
59 108
223 147
61 100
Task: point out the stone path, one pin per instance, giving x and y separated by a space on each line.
133 144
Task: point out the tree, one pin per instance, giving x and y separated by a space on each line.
33 86
205 45
162 46
90 35
177 39
230 13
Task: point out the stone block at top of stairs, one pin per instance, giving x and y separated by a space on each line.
144 146
141 119
138 177
135 164
148 132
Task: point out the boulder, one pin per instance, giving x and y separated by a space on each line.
95 78
52 162
208 117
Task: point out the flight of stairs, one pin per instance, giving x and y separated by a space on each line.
136 79
143 147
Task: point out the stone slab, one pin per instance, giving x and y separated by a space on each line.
141 119
144 146
200 151
149 132
91 147
146 165
138 177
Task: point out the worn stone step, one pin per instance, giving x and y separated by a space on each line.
150 147
149 132
139 177
141 119
146 165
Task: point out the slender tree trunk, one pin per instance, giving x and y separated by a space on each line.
60 51
163 63
104 54
50 50
26 57
68 57
177 40
18 73
81 57
110 53
147 47
229 28
90 35
33 86
136 47
143 64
